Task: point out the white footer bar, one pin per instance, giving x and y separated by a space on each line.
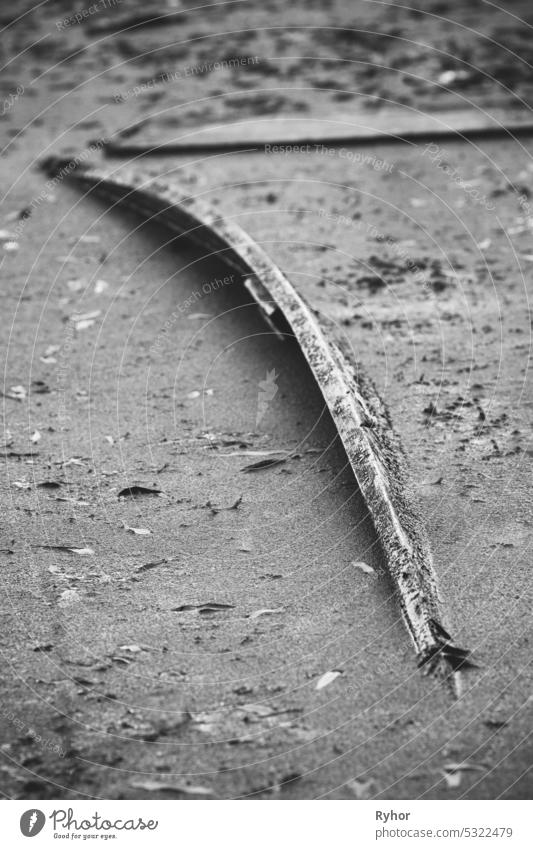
268 824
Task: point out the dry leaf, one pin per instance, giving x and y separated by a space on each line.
85 320
51 350
76 285
252 453
72 501
450 77
265 611
364 567
43 647
72 461
466 766
138 489
453 772
452 779
304 735
17 392
171 787
73 549
68 597
362 789
86 315
258 709
208 608
100 287
327 678
264 464
145 566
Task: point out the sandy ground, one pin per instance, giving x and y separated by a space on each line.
179 653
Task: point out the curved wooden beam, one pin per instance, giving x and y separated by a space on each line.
359 414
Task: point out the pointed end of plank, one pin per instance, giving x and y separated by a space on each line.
447 662
55 166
